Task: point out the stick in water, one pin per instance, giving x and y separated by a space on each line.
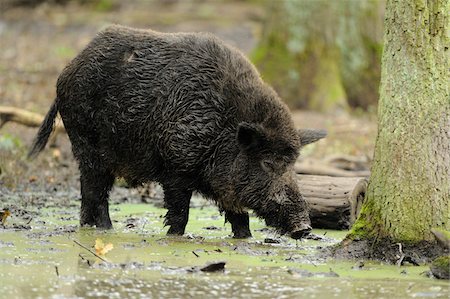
81 245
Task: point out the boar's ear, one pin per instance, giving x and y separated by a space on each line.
308 136
249 136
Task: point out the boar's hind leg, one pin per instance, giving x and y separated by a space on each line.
239 224
177 202
95 187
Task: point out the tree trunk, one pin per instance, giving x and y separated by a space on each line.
408 193
322 54
301 66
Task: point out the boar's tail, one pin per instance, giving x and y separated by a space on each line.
308 136
44 131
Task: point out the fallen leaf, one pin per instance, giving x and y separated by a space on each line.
101 248
56 154
4 214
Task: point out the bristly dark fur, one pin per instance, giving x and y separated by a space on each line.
44 131
184 110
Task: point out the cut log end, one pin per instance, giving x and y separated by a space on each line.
356 199
334 202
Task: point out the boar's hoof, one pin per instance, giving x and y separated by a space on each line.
104 226
243 234
101 225
301 232
175 231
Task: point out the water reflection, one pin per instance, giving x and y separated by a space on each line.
228 286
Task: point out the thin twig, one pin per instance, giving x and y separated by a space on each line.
86 260
81 245
143 226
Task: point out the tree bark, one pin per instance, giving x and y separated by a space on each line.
408 193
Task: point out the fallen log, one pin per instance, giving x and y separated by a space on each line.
24 117
318 167
335 202
348 162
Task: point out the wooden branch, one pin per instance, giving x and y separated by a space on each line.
95 254
335 202
347 162
23 117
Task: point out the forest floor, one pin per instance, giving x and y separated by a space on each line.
38 253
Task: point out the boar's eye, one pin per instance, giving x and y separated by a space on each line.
268 166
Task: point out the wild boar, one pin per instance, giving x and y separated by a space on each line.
184 110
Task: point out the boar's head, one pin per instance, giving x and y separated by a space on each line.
265 180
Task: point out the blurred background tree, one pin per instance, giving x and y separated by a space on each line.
322 55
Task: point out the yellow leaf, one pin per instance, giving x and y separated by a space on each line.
56 154
101 248
4 214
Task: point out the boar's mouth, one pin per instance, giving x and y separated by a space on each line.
288 219
302 231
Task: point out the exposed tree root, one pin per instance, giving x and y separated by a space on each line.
388 251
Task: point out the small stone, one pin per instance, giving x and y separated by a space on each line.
300 273
212 227
358 266
214 267
272 241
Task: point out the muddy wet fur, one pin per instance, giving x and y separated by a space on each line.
184 110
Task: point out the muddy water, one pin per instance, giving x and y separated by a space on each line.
41 260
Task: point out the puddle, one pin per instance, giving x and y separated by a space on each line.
43 261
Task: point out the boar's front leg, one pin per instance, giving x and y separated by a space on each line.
239 224
95 187
176 200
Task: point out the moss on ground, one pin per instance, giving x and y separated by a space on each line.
440 267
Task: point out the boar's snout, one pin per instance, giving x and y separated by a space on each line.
301 231
287 212
294 218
